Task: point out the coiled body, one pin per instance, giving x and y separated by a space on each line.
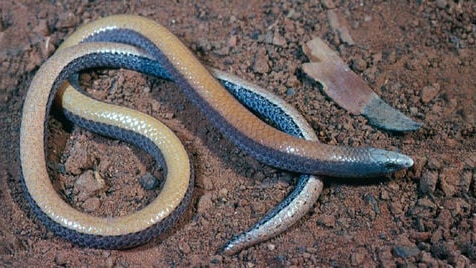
162 54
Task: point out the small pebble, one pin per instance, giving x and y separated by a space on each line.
428 182
358 257
278 40
392 57
328 4
43 27
428 93
261 64
205 202
61 258
440 250
271 247
420 236
465 181
232 41
406 251
423 246
420 162
434 163
91 204
67 20
110 262
327 221
184 247
376 58
290 92
428 259
87 185
149 181
426 203
258 208
205 183
217 259
370 199
223 193
79 160
168 115
470 161
385 257
449 181
441 4
359 64
384 195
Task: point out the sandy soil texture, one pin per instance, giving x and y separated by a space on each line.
419 56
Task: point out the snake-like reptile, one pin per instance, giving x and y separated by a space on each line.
233 105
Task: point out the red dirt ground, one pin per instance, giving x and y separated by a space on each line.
419 56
